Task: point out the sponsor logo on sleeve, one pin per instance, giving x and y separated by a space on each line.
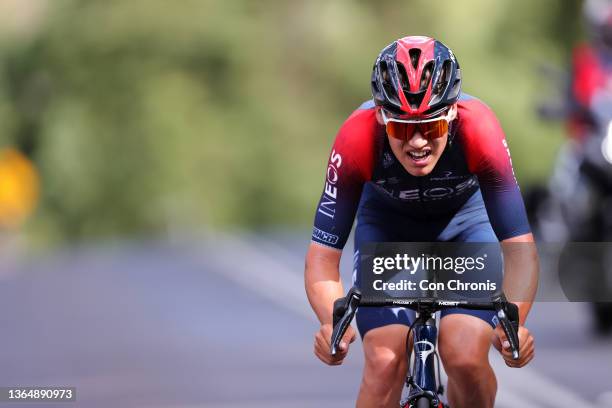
330 195
323 236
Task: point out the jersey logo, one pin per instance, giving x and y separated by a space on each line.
409 194
436 193
324 236
330 193
445 176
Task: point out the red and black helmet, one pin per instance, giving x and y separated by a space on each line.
416 76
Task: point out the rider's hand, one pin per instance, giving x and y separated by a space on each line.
322 344
526 346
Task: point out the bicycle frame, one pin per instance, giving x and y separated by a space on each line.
421 380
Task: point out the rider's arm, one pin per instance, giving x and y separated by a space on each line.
349 167
522 269
322 280
488 157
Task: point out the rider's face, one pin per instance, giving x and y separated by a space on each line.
418 146
417 154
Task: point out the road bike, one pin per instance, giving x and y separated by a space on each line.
424 390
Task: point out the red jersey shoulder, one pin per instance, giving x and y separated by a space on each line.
359 140
476 119
481 136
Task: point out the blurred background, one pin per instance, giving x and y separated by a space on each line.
160 163
143 118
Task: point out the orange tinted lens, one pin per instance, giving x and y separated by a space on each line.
434 130
401 131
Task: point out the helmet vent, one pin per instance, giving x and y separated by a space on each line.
387 82
401 70
442 82
415 54
415 99
375 87
384 71
454 92
426 76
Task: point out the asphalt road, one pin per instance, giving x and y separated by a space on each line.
222 321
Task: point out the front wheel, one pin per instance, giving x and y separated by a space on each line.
422 403
425 403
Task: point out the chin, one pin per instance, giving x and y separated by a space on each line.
419 172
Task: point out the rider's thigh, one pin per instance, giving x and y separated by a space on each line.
385 352
464 343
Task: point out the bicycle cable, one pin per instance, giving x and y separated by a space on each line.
408 352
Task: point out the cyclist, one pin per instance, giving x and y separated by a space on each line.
591 74
446 175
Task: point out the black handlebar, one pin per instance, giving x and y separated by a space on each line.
345 308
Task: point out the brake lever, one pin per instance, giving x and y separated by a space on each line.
344 310
508 316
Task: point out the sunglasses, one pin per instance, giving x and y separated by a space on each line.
404 129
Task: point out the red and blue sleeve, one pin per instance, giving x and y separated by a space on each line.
488 157
349 167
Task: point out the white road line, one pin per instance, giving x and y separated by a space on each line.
281 254
512 399
526 381
605 399
251 268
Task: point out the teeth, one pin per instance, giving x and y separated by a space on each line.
419 155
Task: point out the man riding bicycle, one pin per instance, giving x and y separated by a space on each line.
421 162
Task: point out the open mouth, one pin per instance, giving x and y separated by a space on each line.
420 155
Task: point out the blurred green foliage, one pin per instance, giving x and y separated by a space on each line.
148 115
